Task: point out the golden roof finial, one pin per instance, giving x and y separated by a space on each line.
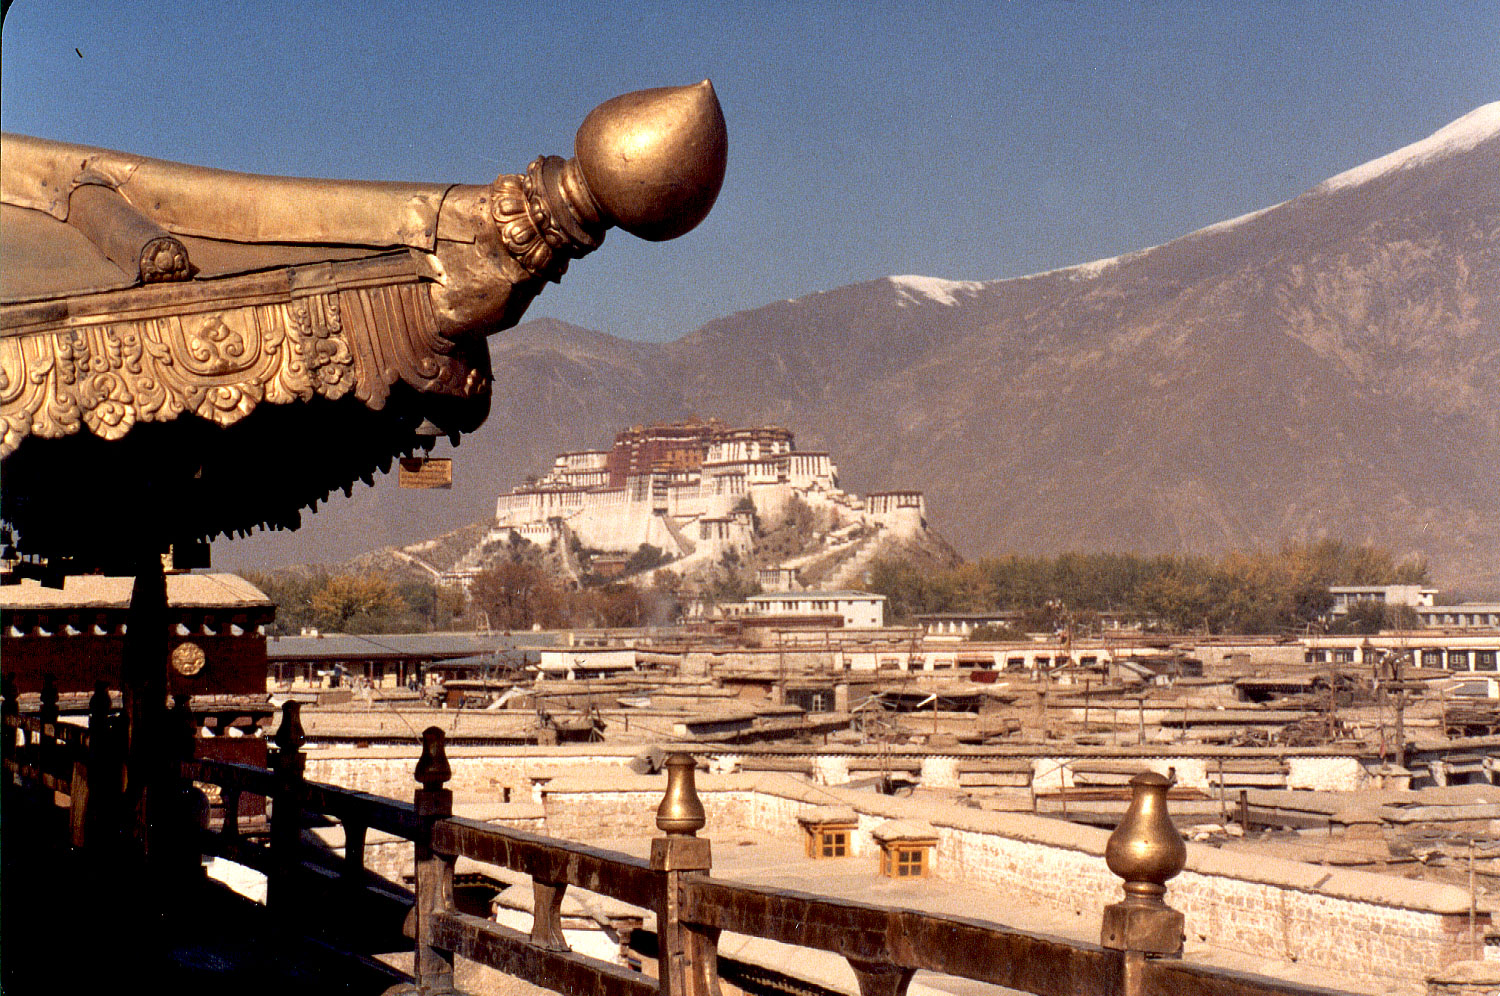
654 159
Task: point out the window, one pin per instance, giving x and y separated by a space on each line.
828 840
1458 660
905 860
1484 660
1343 655
1432 658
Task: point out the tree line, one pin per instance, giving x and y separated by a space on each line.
515 594
1239 592
356 601
1255 592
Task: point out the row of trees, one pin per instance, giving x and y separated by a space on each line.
513 594
1257 592
348 601
522 595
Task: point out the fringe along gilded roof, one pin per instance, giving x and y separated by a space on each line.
189 352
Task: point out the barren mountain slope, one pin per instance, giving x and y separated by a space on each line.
1330 365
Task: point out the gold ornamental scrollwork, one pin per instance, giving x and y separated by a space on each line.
188 659
221 364
546 217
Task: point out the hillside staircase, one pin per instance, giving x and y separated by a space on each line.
685 546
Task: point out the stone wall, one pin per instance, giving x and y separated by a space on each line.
1468 978
1373 926
479 773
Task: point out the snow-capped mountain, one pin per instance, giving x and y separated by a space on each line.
1325 366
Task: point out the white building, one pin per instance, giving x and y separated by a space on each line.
778 579
576 663
1346 595
858 608
1464 615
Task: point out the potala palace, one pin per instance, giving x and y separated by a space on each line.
696 491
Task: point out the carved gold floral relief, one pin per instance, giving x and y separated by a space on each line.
220 364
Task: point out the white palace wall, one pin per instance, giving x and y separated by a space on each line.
621 519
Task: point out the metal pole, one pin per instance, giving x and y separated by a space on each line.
1223 812
1474 949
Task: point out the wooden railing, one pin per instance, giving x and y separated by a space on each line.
883 946
44 755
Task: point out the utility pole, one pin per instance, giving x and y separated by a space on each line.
1332 704
1396 670
1382 698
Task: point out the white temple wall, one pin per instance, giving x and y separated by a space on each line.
905 523
771 498
620 527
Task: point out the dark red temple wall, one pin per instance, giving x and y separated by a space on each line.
235 665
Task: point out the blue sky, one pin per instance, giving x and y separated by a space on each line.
960 140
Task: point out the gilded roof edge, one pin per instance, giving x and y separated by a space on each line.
42 174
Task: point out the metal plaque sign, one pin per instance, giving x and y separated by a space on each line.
426 472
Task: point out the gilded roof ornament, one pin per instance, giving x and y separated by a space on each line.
654 159
139 293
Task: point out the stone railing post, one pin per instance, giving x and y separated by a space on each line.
1145 850
687 956
434 871
286 810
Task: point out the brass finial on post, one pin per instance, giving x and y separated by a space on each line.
688 955
100 704
433 770
1146 851
48 712
289 734
434 871
286 811
681 811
